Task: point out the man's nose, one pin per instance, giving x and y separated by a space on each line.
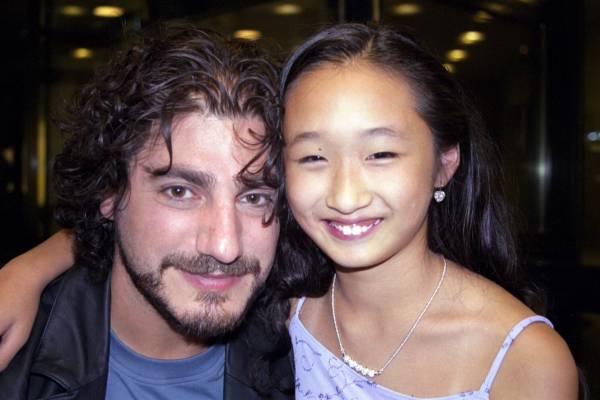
348 190
219 235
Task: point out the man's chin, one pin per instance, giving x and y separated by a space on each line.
203 329
218 317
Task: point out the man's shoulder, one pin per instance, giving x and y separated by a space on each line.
71 325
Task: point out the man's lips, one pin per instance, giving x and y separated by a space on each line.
211 282
352 230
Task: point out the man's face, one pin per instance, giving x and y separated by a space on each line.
193 240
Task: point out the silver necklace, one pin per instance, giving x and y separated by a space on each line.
358 367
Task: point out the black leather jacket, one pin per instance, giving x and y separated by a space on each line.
66 356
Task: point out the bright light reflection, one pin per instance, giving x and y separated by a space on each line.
72 11
407 9
471 37
82 53
482 17
247 34
456 55
287 9
497 8
593 136
449 67
108 11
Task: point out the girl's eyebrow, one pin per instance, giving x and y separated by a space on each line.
304 137
371 132
383 131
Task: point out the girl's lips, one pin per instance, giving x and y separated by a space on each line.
211 282
352 230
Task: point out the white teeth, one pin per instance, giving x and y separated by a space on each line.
354 229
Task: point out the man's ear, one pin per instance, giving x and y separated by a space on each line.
449 162
107 207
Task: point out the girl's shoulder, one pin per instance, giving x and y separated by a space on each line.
537 362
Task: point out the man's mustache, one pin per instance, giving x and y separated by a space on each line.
205 264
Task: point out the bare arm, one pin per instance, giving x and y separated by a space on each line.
22 281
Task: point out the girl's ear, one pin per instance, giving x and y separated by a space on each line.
107 207
449 162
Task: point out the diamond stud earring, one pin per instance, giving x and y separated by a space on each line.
439 195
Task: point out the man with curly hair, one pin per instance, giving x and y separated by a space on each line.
168 180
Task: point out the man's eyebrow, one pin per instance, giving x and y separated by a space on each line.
195 177
246 181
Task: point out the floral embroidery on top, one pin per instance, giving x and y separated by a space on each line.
321 375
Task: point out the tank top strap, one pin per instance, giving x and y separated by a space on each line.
298 307
508 341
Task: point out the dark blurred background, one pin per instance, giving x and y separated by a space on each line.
532 66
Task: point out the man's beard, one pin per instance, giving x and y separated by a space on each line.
210 322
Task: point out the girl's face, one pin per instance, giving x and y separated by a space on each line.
360 163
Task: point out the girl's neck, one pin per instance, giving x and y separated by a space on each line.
394 286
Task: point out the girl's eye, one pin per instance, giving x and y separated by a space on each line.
311 159
178 192
382 155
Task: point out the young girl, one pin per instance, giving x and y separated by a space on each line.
390 172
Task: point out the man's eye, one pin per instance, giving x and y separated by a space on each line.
258 199
382 155
311 159
178 192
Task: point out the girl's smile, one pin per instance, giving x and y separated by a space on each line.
348 230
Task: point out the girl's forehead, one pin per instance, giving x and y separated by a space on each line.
359 84
351 100
355 67
358 79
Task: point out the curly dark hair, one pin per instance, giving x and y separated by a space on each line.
473 226
174 70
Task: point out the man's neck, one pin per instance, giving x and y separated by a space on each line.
140 326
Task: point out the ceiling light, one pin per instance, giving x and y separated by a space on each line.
497 8
407 9
108 11
9 155
449 67
82 53
456 55
287 9
471 37
72 11
247 34
482 17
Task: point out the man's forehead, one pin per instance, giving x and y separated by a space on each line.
208 137
246 127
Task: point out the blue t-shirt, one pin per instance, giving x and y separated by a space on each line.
133 376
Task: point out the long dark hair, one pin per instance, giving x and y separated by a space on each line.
473 225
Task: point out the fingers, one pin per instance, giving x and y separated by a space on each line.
9 345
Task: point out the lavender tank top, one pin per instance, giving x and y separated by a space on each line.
322 375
